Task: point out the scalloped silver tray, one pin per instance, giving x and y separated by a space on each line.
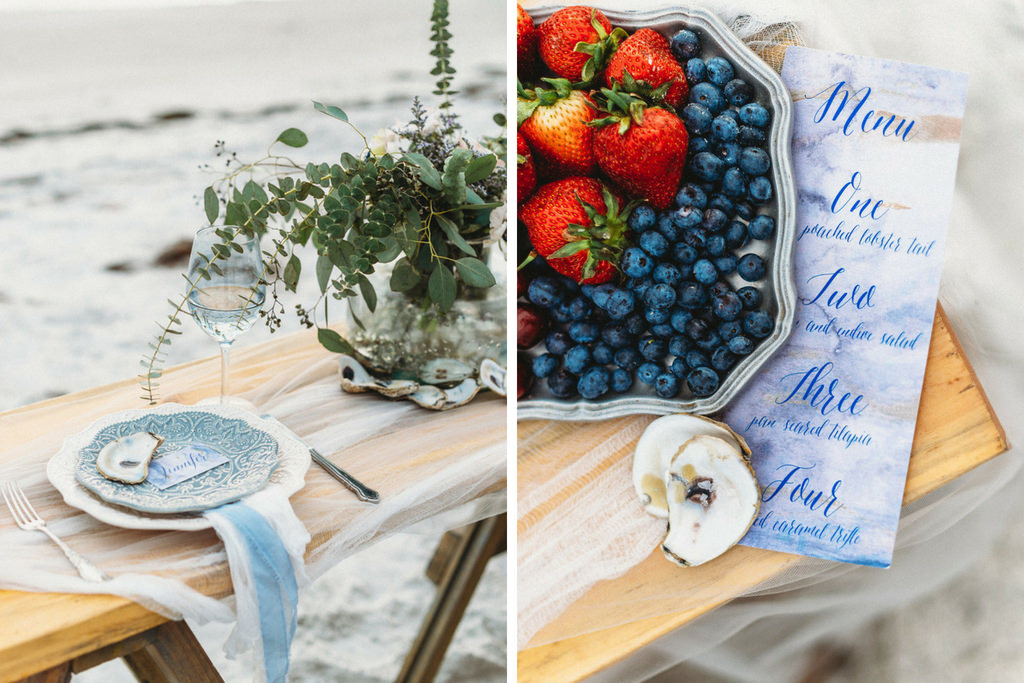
779 295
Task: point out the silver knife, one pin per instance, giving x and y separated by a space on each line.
362 491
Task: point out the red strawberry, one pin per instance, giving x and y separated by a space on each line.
526 43
644 64
575 223
554 123
641 150
575 42
526 174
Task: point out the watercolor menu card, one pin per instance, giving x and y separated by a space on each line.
830 418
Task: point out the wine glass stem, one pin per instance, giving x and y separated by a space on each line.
225 364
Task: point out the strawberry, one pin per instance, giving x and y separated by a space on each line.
644 64
526 174
642 150
554 123
575 42
576 224
526 43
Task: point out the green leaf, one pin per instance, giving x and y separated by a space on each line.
333 342
235 214
570 249
453 182
409 232
331 110
211 204
369 293
480 168
404 277
451 231
291 272
293 137
324 268
428 174
441 287
474 272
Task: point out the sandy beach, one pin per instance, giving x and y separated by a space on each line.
111 112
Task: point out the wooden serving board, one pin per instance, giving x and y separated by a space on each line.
956 431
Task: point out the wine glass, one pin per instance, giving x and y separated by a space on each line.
227 302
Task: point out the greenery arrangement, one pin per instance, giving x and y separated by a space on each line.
420 197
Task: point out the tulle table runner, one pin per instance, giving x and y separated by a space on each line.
422 462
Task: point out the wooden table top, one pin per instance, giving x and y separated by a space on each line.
956 431
41 630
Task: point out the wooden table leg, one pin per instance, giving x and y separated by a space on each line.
58 674
172 655
481 541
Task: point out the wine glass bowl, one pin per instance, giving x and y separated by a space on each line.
228 288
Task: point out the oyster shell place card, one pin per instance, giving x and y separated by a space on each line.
830 418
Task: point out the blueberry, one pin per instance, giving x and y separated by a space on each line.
704 272
639 285
702 381
725 264
758 324
594 383
728 152
628 358
695 237
666 273
714 219
578 359
731 113
642 218
558 342
697 329
684 254
583 332
716 245
735 235
698 143
545 364
687 217
679 318
744 210
654 243
720 71
692 296
666 385
656 316
696 359
668 228
697 119
710 95
741 345
562 384
544 291
729 329
621 380
727 306
734 183
602 353
635 324
678 345
722 359
660 295
738 92
621 303
719 288
751 137
696 71
653 348
685 45
615 335
560 312
647 372
580 309
754 114
754 161
710 342
724 129
761 227
751 267
750 297
663 330
723 204
707 166
678 367
601 293
691 195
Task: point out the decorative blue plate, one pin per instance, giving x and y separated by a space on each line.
252 455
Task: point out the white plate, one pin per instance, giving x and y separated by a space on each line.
292 462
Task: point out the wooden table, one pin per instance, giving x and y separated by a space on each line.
41 631
956 431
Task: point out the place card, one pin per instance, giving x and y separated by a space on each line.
174 467
830 418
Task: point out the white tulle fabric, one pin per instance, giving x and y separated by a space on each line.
760 637
383 443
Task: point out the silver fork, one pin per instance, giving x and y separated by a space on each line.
28 519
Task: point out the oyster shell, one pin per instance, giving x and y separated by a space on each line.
713 499
660 443
355 379
127 458
492 376
444 371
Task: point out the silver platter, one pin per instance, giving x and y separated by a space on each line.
779 294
